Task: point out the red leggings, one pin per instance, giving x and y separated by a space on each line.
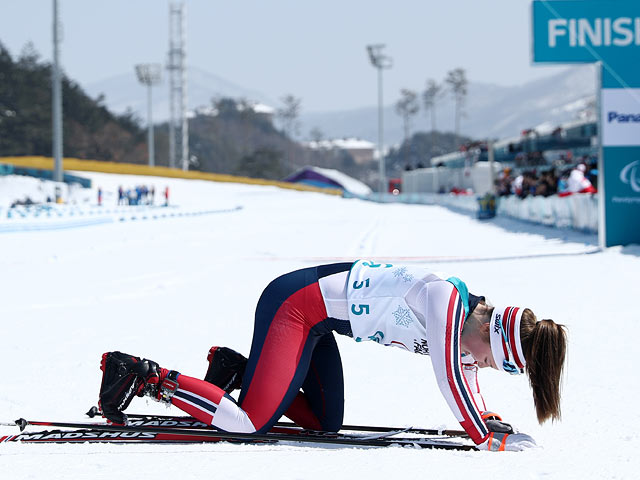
293 349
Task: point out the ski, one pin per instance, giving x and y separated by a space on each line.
190 422
90 432
99 436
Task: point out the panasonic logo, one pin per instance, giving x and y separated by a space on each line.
615 117
630 175
597 32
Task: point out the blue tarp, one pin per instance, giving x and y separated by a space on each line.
6 169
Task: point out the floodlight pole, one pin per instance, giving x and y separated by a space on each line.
150 139
381 62
382 165
56 87
149 75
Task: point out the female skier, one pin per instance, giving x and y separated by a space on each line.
294 366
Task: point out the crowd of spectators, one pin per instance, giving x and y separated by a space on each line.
563 181
140 195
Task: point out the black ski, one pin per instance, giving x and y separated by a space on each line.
88 432
190 422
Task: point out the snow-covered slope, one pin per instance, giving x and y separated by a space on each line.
169 289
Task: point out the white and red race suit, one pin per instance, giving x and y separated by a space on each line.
413 309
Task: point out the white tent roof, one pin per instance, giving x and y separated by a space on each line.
350 184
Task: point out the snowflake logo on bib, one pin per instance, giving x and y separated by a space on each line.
401 272
403 317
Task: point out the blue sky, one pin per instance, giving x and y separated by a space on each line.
314 50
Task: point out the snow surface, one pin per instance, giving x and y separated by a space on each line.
168 289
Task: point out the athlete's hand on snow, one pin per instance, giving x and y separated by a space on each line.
495 424
498 426
511 442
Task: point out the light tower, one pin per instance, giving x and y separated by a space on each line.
149 74
381 62
56 87
176 66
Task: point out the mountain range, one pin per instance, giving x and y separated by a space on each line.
491 111
124 92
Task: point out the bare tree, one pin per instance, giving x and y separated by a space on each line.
316 135
407 107
457 82
288 115
430 98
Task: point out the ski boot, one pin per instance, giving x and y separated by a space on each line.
125 376
226 368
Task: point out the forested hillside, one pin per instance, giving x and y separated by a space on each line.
90 130
232 138
416 151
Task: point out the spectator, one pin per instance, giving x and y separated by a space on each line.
547 184
529 182
592 173
577 182
563 186
552 179
503 182
516 185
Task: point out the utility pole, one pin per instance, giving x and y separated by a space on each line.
149 74
381 62
56 87
492 163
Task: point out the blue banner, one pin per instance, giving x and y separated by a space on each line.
585 31
622 195
620 165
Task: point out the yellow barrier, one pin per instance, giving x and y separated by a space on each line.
46 163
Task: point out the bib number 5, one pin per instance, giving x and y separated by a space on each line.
357 284
360 309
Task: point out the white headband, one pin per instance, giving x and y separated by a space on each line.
505 339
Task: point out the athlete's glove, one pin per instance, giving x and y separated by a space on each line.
495 424
510 442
